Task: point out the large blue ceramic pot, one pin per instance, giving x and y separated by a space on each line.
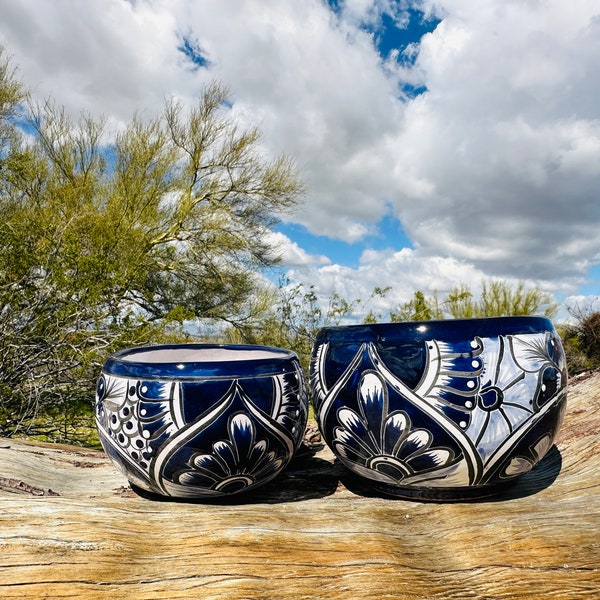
440 409
201 421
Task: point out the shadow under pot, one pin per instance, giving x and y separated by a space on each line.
440 410
199 420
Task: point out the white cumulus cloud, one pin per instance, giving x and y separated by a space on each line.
493 171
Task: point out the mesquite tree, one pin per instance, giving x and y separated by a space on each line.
112 244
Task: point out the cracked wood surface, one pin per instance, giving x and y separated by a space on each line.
70 527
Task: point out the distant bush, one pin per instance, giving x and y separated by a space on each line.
581 341
498 298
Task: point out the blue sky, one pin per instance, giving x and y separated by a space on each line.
592 286
388 235
441 142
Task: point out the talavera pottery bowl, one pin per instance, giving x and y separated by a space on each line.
201 421
442 410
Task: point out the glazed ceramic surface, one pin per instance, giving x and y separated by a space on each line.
201 420
440 409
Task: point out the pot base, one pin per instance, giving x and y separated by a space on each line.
450 494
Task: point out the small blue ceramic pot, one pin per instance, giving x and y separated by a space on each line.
440 409
201 421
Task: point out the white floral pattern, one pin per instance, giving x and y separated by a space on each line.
385 442
235 463
523 464
143 427
458 426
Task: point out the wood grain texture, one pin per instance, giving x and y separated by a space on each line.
70 527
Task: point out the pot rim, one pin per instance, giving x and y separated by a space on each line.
441 328
220 360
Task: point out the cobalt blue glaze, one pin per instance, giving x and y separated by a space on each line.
440 409
200 420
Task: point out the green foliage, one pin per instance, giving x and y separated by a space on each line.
12 94
581 340
498 298
418 308
291 318
109 247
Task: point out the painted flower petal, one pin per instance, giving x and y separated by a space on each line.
518 465
348 419
358 446
258 451
350 453
373 400
415 442
210 466
224 452
431 459
196 478
266 460
542 447
496 429
241 433
268 468
395 428
516 413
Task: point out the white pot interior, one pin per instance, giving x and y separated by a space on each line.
198 355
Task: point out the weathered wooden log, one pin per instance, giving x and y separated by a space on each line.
71 527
